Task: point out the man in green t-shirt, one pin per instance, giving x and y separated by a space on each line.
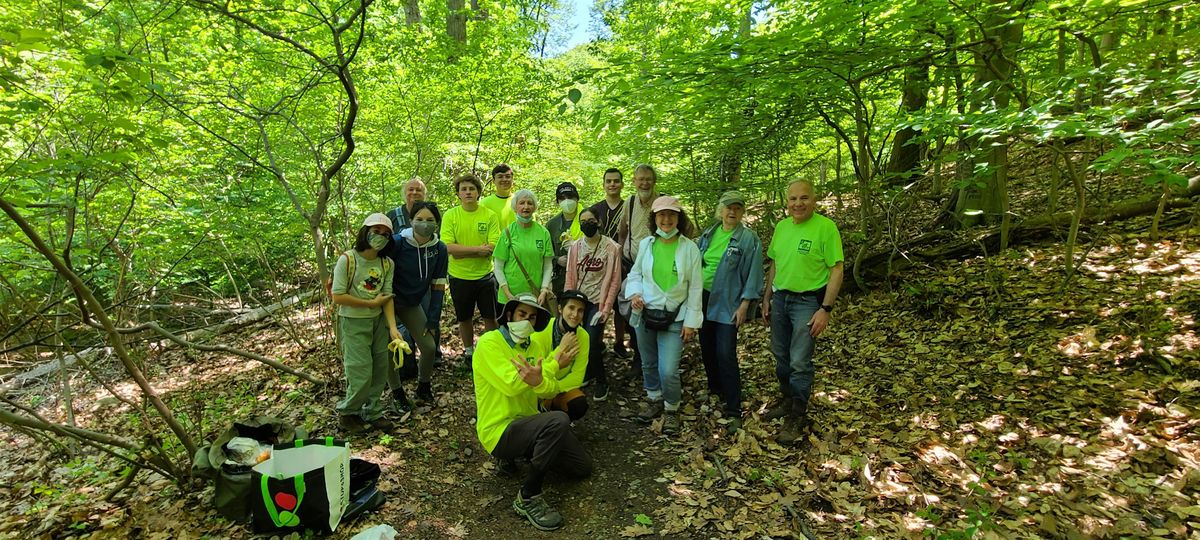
802 285
498 202
470 232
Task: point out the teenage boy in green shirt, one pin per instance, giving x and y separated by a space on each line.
802 284
498 202
470 232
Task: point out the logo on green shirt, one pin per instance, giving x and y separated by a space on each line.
804 247
481 227
541 244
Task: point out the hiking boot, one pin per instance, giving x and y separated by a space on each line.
507 468
670 423
538 512
400 403
794 424
780 409
425 392
382 424
600 392
621 352
352 424
649 411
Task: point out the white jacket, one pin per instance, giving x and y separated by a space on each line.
687 291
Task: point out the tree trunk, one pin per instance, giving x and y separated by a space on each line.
905 163
412 12
987 198
456 20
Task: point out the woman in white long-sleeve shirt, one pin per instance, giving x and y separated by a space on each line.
666 285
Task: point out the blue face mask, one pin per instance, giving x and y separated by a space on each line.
524 220
667 235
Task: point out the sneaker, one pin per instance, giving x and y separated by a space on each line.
352 423
507 468
670 423
425 392
621 352
538 512
382 424
587 382
649 411
600 392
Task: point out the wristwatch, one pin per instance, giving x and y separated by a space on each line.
827 307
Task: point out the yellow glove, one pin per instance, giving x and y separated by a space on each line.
399 348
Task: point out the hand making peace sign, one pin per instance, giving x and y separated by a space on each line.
530 373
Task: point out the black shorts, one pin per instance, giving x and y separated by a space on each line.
468 294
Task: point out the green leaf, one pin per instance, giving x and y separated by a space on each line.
574 95
643 519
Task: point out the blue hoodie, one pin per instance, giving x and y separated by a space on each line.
418 267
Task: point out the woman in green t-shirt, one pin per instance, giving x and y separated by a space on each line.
524 257
664 288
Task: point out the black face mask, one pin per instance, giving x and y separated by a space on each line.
589 228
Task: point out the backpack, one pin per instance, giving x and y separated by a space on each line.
350 268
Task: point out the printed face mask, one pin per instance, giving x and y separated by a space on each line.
589 228
377 241
568 206
520 330
424 228
667 235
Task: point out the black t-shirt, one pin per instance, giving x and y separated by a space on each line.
609 218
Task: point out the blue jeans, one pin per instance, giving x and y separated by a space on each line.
790 342
660 351
595 366
718 349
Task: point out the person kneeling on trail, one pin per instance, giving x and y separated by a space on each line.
565 334
510 372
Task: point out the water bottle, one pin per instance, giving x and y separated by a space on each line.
635 317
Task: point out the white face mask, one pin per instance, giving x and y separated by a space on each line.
668 235
520 330
568 206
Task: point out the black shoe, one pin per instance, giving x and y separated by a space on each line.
600 392
352 424
507 468
382 424
400 402
425 392
779 410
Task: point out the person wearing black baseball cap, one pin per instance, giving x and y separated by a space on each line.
510 371
566 334
564 229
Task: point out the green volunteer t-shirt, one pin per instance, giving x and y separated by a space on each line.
804 253
369 280
470 229
712 255
502 207
666 275
529 245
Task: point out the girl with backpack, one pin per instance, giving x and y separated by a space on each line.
362 290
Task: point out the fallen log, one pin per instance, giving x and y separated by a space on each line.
188 339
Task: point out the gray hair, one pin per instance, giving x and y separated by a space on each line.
521 194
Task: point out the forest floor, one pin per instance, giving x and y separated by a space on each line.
980 398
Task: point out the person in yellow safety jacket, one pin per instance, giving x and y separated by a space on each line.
510 372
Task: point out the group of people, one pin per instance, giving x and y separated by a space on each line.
546 292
